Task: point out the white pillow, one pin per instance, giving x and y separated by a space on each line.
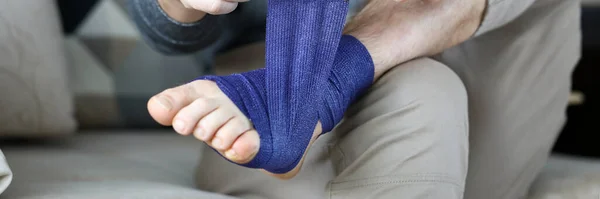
34 96
5 174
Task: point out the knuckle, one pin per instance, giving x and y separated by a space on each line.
188 90
202 103
178 92
170 94
203 85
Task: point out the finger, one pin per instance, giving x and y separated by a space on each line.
214 7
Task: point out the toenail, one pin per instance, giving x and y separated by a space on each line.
179 126
217 143
199 133
231 154
164 102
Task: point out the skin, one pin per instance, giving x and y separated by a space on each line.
393 31
188 11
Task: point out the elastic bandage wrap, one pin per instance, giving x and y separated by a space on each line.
312 74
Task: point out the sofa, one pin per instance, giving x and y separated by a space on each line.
73 119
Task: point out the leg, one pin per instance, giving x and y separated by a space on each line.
219 115
392 143
518 80
287 115
412 137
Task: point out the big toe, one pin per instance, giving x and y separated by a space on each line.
160 108
165 105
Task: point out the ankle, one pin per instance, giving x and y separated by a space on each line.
382 60
352 74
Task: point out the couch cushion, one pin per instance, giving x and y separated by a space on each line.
35 99
116 72
116 164
568 177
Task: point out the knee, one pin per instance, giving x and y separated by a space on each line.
423 104
418 113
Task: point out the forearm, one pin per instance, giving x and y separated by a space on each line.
168 32
395 32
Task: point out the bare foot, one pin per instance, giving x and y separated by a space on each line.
201 109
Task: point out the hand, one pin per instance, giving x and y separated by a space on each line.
214 7
189 11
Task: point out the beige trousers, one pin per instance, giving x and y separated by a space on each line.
476 122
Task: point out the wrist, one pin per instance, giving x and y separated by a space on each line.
178 12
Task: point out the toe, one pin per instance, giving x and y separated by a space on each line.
210 124
186 119
244 148
229 132
163 106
